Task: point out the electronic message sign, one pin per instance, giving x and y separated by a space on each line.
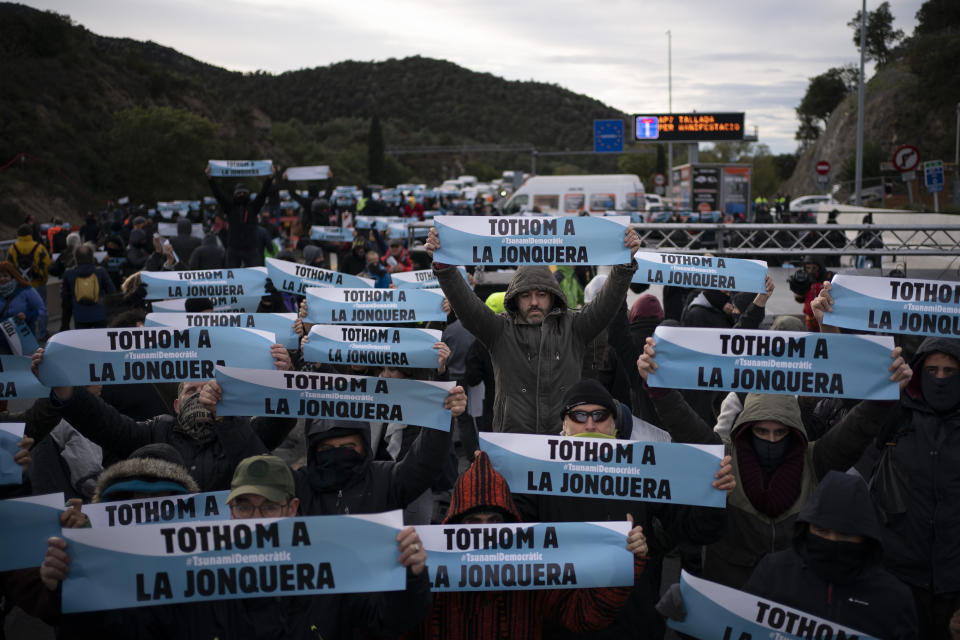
688 127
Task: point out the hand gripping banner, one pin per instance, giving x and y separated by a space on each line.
155 564
151 354
895 305
279 324
605 468
829 365
700 272
499 557
546 240
297 394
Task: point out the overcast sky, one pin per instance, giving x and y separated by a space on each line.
754 56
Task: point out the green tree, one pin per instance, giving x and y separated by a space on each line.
880 33
935 15
375 153
808 131
160 152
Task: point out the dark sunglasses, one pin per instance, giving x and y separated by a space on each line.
598 415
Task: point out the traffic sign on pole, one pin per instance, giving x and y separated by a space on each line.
608 136
823 167
659 179
906 158
933 175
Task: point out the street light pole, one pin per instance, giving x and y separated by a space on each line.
863 47
669 110
956 162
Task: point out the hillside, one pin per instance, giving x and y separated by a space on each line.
103 117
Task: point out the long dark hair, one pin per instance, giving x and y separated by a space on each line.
8 267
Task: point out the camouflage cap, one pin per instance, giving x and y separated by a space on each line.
266 476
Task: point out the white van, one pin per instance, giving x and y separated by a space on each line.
571 195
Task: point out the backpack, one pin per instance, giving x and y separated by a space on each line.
26 261
86 289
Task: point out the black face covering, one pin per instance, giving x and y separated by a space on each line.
717 299
334 468
942 394
835 561
770 454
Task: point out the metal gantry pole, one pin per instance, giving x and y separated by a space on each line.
860 93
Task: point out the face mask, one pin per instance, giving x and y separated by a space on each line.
334 468
942 394
194 420
835 561
717 299
770 454
7 288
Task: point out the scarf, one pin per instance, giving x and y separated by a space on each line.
770 494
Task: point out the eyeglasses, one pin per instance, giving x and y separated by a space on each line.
598 415
246 509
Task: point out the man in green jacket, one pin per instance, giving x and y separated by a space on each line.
537 344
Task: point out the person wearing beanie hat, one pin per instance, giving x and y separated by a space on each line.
481 496
242 220
788 323
589 409
537 346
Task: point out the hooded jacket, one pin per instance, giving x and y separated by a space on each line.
27 301
374 485
750 533
534 364
874 602
922 544
518 615
241 215
209 255
184 243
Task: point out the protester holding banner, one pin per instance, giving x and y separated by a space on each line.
263 487
241 214
397 258
481 496
211 446
18 299
676 523
776 467
342 475
537 346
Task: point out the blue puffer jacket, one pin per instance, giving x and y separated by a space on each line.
26 300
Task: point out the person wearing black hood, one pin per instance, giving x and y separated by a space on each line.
241 214
209 255
833 570
342 476
83 288
918 484
184 243
116 261
816 268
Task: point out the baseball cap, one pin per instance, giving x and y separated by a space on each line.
266 476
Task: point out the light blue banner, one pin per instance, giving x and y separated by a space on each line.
507 557
19 337
297 394
374 306
423 279
155 564
25 525
296 278
157 354
715 611
240 168
10 434
372 346
212 283
700 272
605 468
279 324
402 229
895 305
125 513
516 240
331 234
18 381
828 365
380 223
222 304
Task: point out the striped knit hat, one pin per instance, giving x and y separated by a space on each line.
481 488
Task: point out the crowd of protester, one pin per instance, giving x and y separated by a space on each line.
558 353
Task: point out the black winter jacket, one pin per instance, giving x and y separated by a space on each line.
242 217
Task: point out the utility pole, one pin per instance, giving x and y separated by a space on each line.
860 93
956 162
669 110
